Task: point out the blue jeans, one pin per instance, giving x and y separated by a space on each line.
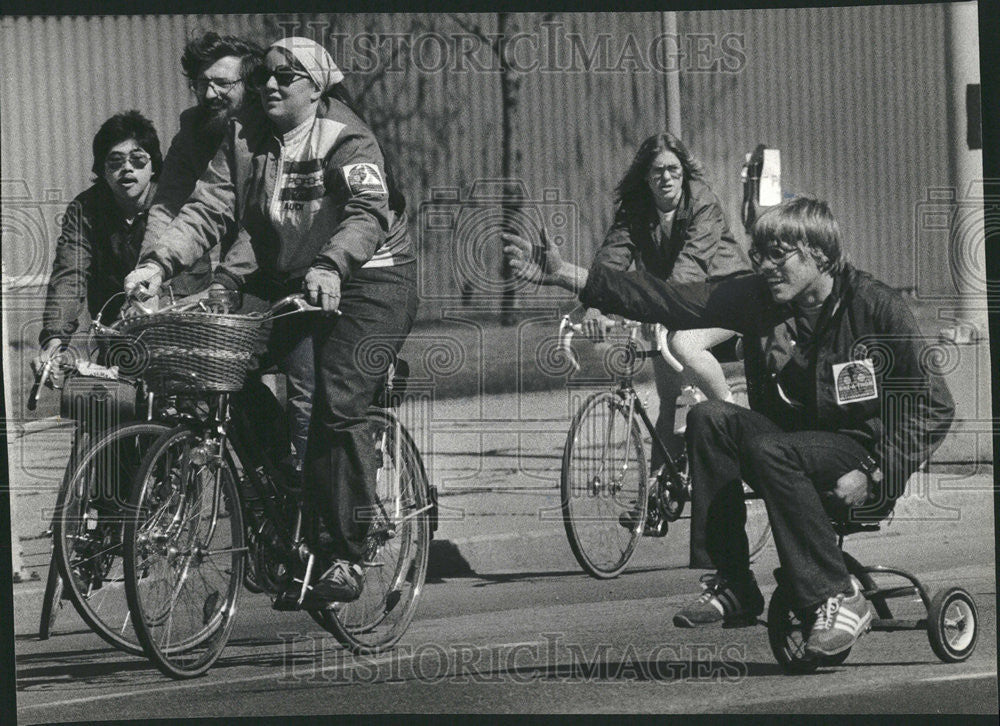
352 355
789 469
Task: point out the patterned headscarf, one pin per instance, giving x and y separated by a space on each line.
314 60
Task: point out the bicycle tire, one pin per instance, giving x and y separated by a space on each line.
93 579
580 483
53 597
51 600
377 620
175 544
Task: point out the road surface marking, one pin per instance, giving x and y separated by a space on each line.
961 676
243 679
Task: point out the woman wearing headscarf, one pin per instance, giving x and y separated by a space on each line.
308 182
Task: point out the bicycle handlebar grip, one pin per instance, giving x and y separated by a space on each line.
298 301
32 403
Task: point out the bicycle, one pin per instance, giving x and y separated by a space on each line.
608 501
85 566
184 565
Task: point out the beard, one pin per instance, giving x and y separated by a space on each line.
214 120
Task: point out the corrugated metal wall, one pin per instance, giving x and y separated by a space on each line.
62 77
854 97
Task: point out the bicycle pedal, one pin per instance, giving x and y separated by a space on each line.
286 601
657 530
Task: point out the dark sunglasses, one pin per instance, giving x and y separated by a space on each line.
775 254
284 75
137 159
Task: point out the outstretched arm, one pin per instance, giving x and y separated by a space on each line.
542 263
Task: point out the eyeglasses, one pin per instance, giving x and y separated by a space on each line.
284 75
775 254
675 172
137 159
222 86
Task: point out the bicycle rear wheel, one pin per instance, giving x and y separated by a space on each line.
183 558
603 485
396 563
87 529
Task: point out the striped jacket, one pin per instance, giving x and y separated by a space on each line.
315 196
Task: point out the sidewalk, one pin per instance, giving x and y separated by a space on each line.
496 461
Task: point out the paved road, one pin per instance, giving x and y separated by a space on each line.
508 623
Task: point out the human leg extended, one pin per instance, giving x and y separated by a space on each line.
668 388
691 348
716 434
353 352
792 471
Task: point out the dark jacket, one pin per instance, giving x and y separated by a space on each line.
191 151
861 319
96 249
700 244
329 206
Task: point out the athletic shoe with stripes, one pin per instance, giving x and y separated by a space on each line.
734 604
840 621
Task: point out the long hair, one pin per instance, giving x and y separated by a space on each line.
122 127
632 191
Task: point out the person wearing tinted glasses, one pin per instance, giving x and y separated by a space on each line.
670 223
828 350
312 189
102 232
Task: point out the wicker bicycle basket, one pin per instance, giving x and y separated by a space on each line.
194 351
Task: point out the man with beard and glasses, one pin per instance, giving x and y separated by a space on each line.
216 67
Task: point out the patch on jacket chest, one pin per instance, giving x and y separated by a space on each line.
855 381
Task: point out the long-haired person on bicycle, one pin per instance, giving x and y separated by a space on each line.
102 231
844 409
669 223
308 182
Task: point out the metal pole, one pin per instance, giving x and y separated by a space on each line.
673 77
15 540
967 238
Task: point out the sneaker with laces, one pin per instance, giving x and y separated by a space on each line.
840 621
734 604
343 582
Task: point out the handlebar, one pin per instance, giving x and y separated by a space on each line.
567 328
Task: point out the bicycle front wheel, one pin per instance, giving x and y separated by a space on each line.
398 545
603 485
184 554
87 529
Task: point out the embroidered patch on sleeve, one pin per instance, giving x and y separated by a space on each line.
364 179
855 381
